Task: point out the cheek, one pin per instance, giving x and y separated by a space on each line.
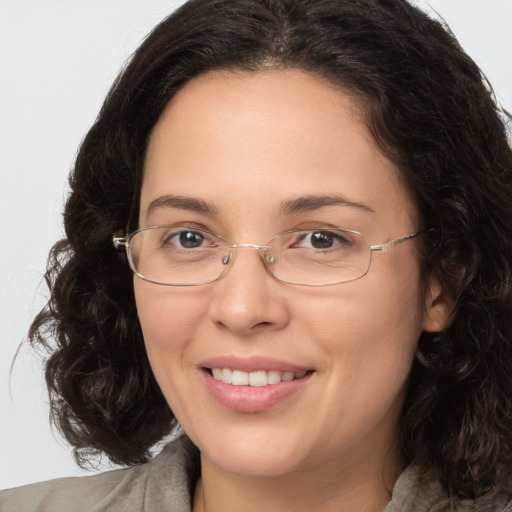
169 320
366 334
164 313
370 341
376 306
369 329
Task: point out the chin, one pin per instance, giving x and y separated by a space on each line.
245 456
256 465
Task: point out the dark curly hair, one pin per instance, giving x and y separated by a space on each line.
432 113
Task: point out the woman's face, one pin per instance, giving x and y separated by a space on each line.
270 152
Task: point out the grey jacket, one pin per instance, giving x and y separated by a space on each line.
162 485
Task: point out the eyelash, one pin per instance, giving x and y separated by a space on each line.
180 236
335 237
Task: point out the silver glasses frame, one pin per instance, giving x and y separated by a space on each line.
121 243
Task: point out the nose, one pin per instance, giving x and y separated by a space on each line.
247 299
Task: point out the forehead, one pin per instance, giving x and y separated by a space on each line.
236 139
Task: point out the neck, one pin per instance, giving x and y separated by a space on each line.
365 487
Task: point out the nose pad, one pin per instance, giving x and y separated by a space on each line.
263 250
226 261
245 301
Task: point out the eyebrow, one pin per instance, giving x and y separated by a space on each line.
190 204
298 205
310 203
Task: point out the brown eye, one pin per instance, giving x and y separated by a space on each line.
190 239
322 239
185 239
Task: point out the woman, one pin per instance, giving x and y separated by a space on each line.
314 199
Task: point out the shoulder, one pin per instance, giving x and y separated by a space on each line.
411 495
161 484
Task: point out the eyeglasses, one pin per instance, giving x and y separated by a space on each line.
186 256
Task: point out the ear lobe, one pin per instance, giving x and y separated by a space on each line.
438 306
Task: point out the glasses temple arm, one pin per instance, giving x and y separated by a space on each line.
393 243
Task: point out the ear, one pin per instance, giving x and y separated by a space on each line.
438 306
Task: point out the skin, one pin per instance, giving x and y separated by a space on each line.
246 143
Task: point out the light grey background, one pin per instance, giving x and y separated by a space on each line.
57 61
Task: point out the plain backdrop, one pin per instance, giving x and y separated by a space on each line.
57 61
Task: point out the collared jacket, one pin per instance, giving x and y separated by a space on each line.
162 485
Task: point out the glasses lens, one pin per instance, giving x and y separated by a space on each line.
181 255
176 255
319 257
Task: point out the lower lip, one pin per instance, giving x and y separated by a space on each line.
252 399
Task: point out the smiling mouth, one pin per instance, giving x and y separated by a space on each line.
258 378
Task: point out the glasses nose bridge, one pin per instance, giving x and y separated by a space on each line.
250 246
261 249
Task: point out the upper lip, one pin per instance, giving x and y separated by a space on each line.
252 364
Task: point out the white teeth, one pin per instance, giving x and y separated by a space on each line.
226 375
258 378
287 376
273 377
240 378
255 379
